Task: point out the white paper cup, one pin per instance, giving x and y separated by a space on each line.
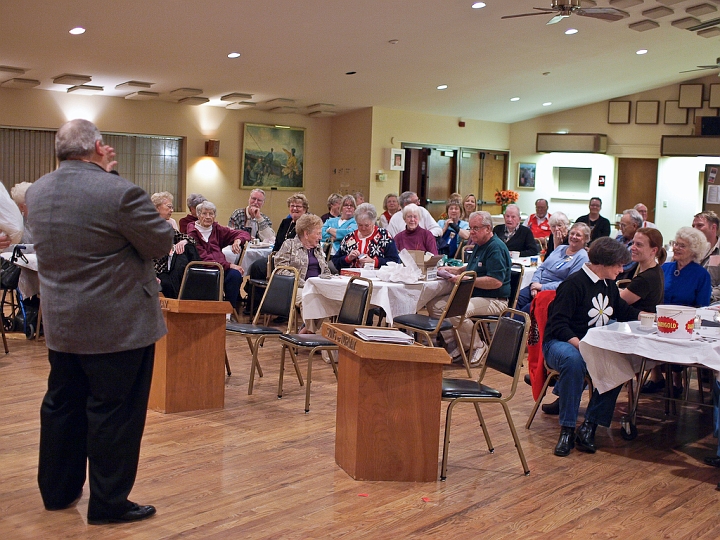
647 320
514 254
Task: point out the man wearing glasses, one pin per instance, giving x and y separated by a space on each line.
251 220
490 260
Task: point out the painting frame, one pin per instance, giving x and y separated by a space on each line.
397 159
273 157
526 175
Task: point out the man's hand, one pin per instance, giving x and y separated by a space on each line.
253 212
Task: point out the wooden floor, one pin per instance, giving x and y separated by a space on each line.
262 468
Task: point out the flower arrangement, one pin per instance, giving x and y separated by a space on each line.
506 197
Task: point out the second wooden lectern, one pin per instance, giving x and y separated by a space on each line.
189 371
388 408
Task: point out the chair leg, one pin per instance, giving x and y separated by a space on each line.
700 384
227 364
5 343
538 401
511 424
333 361
491 449
283 348
466 362
446 440
254 364
293 357
253 347
308 380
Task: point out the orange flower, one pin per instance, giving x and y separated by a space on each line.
506 196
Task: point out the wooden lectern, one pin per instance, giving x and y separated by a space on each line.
388 408
189 372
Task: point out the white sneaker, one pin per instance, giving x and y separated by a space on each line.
326 356
479 355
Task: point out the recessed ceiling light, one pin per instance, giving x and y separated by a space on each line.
547 103
234 55
478 5
571 31
77 31
514 99
442 87
350 72
641 51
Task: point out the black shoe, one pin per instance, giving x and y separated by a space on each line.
70 504
136 513
713 460
585 438
566 442
527 380
552 408
652 387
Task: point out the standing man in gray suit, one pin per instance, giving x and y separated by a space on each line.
95 237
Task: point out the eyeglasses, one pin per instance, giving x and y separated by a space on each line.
297 206
476 229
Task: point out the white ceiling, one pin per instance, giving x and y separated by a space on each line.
302 49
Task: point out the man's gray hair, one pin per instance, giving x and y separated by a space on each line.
405 197
365 212
256 190
76 139
206 205
194 199
635 216
485 217
515 206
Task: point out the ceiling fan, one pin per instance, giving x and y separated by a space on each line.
701 68
565 8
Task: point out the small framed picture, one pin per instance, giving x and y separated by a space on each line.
397 159
526 175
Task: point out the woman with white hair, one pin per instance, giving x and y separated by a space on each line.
686 282
192 201
17 192
414 236
368 244
559 227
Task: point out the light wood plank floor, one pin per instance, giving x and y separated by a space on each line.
262 468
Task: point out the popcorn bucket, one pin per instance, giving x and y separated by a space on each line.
676 322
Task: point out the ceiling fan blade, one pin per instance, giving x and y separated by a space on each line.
523 15
607 14
557 18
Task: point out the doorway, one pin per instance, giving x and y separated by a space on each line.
637 182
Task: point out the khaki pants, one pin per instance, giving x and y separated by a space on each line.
477 306
312 325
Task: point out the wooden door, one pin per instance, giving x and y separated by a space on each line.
470 175
494 177
441 166
636 182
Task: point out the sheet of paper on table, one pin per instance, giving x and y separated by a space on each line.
385 336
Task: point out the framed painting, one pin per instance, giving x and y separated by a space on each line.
618 112
273 157
397 159
526 175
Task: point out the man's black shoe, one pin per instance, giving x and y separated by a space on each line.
713 460
585 438
552 408
566 442
136 513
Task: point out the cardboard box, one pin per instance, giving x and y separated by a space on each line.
427 268
350 272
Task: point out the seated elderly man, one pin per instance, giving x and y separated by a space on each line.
538 222
210 238
588 298
490 260
427 222
516 237
630 222
708 223
643 211
251 220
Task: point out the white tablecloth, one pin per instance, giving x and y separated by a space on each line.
252 253
613 353
29 283
529 271
323 297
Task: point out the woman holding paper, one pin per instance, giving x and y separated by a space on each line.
368 245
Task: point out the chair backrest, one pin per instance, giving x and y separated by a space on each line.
356 302
507 347
623 283
460 249
271 264
460 296
279 297
202 280
517 271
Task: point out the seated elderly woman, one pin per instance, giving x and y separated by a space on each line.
369 244
454 228
584 300
210 238
686 284
390 206
304 253
192 201
17 192
559 227
171 267
163 201
414 236
558 265
337 228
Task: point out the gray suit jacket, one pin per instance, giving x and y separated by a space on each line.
95 237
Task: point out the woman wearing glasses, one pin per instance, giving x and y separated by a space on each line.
337 228
558 265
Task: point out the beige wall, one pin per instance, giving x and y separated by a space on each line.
391 128
678 195
350 152
216 178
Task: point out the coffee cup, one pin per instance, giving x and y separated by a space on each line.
647 320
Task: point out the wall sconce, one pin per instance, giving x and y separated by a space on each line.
212 148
